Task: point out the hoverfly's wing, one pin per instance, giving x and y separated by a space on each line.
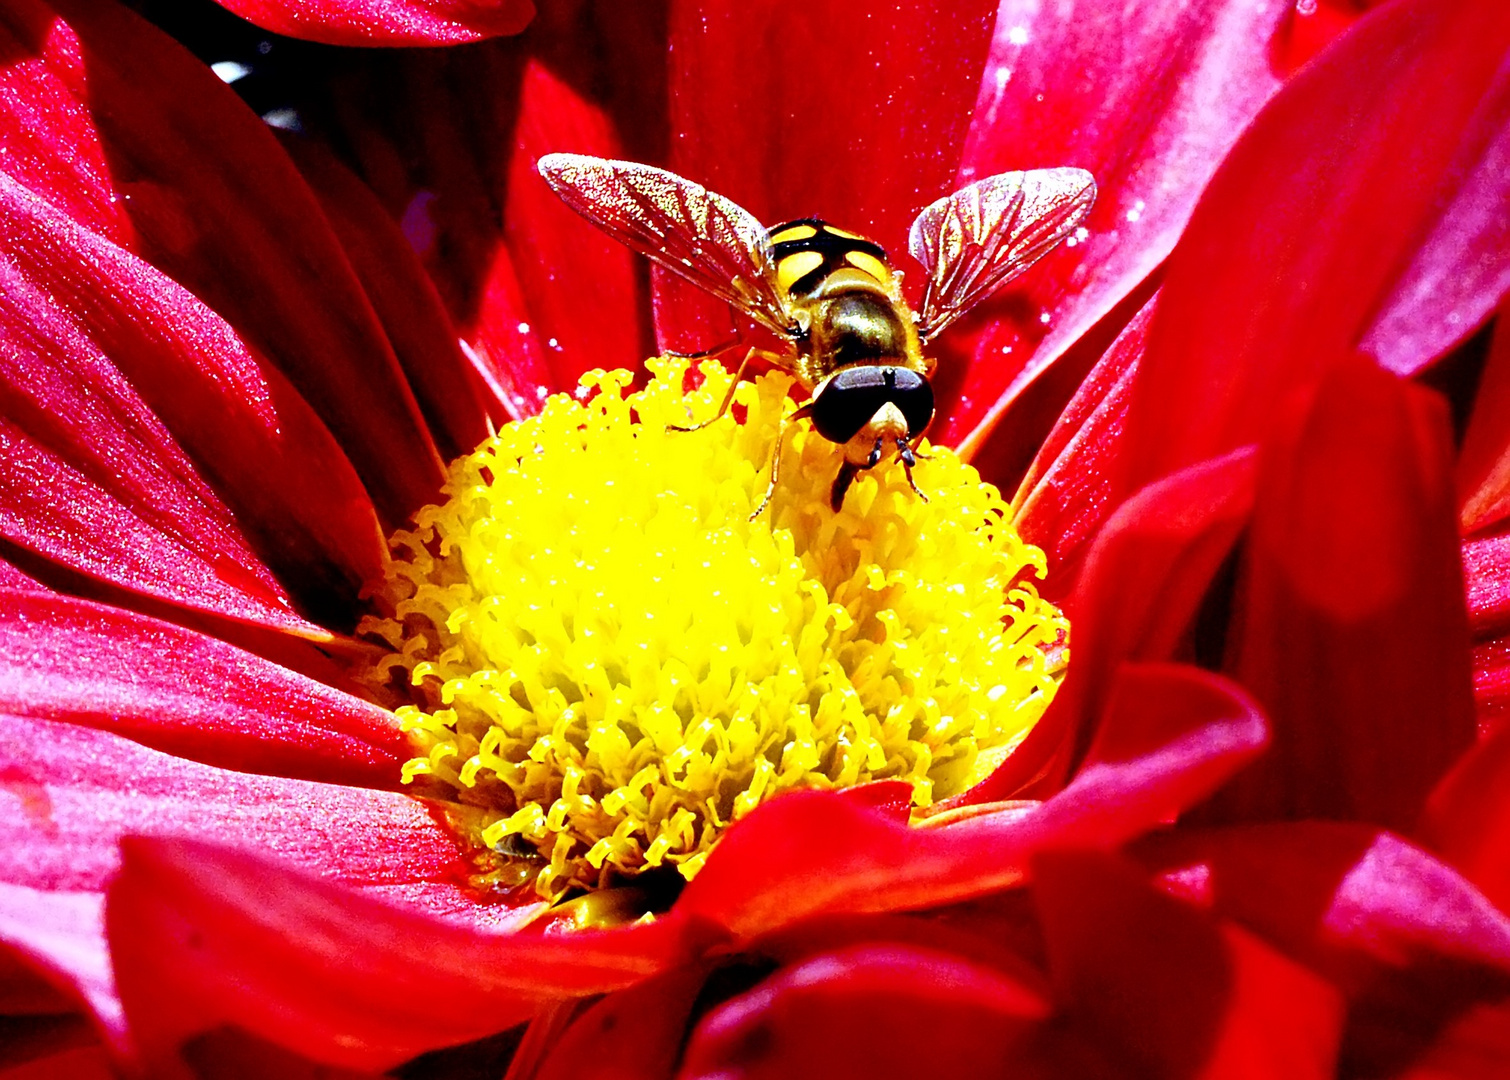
976 240
691 231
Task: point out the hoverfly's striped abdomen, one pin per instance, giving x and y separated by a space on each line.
808 250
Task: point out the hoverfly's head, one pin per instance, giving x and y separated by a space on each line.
873 412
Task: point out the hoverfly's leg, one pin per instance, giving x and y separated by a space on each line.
909 459
728 397
786 422
703 354
875 455
847 474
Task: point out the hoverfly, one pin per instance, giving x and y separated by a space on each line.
855 346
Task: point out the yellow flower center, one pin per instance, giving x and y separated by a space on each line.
609 662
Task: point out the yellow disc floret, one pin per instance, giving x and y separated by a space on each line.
610 662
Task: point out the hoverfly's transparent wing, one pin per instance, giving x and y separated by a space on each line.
976 240
691 231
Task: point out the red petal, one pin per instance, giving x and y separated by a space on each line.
451 394
1346 899
92 327
1483 475
1178 994
857 120
636 1032
1475 1046
1468 817
1304 231
448 140
186 694
1143 582
1352 632
1486 564
218 206
584 297
62 934
203 936
387 22
1460 269
1148 97
869 1011
77 1063
1411 943
1491 684
1070 487
50 507
74 791
813 852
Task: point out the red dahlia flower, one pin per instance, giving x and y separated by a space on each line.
1257 833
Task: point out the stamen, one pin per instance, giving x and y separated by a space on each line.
603 662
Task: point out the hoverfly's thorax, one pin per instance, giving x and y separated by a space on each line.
846 296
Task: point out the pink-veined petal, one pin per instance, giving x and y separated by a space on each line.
186 694
1146 95
387 22
211 199
105 353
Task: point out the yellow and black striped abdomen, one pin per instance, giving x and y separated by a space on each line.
808 250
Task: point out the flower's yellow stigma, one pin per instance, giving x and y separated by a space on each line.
611 662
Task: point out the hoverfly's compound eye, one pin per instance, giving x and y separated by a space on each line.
846 403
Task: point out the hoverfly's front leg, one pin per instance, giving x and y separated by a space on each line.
909 459
786 422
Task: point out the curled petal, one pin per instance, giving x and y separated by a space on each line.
1468 817
203 936
1143 581
1306 228
1352 631
1070 488
1412 944
1179 994
1182 734
387 22
869 1010
1483 473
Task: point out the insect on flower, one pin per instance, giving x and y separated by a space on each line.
856 347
